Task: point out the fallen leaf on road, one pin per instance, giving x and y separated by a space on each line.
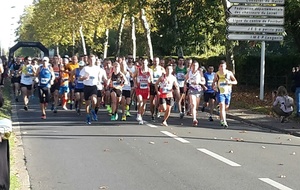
103 187
289 139
230 151
215 137
151 142
294 153
282 176
239 139
166 142
280 164
243 131
120 139
263 147
106 150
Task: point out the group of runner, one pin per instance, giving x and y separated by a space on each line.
122 83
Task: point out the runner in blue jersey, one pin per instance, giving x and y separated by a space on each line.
46 77
209 93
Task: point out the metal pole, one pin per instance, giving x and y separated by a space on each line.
262 70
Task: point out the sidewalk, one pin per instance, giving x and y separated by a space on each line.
291 127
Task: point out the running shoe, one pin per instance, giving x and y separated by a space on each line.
158 115
116 116
128 114
181 115
52 107
195 123
78 111
65 108
55 110
108 108
88 119
113 118
138 118
164 123
94 115
152 118
17 100
141 122
26 108
210 118
222 123
123 118
43 116
203 109
225 126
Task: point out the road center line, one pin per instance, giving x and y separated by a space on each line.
175 137
216 156
150 125
275 184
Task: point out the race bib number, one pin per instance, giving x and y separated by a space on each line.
180 77
56 74
44 80
116 84
26 76
167 89
79 82
143 85
209 83
92 78
181 83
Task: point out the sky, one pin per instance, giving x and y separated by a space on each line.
9 18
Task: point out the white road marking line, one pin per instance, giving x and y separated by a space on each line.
216 156
175 137
150 125
275 184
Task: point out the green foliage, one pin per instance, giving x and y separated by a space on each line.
198 27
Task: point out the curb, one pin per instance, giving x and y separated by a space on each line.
263 125
20 170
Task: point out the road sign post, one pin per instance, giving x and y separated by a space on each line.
256 20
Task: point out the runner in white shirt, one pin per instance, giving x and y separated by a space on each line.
27 73
90 77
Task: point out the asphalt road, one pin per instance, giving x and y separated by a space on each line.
63 153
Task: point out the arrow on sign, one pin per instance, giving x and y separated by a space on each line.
279 2
264 21
255 37
257 11
263 29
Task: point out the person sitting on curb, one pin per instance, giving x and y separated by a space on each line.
282 103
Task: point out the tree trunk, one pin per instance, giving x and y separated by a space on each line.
121 26
179 49
57 49
82 39
148 32
228 44
106 44
133 37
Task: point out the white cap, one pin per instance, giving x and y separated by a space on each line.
46 59
81 63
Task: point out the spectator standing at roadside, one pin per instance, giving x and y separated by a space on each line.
296 78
